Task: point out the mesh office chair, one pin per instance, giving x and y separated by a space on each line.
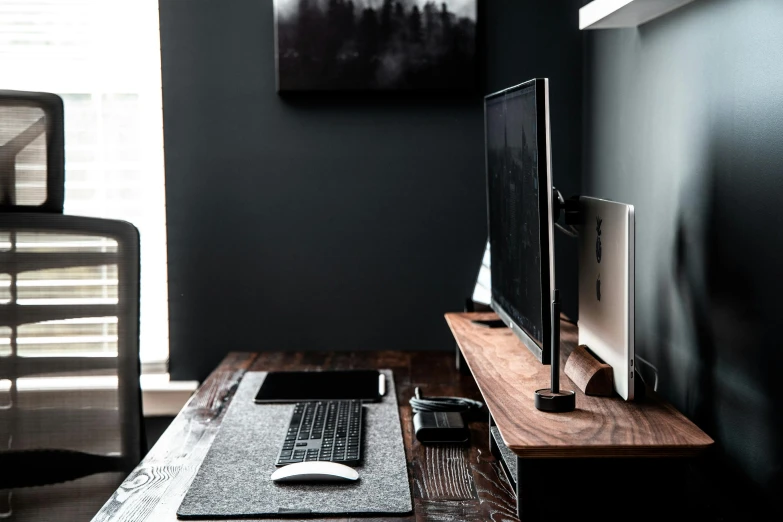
32 159
70 403
71 426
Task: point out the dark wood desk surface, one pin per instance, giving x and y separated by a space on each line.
448 482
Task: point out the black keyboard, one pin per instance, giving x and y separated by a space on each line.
324 430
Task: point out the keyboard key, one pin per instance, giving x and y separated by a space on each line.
326 431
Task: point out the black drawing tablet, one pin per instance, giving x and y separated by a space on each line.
298 386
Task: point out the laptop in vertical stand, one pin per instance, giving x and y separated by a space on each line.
606 287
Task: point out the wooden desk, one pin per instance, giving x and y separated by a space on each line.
448 482
607 448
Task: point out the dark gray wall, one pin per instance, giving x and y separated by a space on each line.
534 39
685 122
317 222
324 221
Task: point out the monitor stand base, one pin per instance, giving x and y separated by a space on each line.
555 402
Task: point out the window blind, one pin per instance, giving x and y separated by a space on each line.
103 58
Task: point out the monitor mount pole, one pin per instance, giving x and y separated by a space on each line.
553 399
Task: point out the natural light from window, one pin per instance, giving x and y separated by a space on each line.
103 58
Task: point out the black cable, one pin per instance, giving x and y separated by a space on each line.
654 369
570 233
458 404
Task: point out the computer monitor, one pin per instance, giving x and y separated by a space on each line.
519 201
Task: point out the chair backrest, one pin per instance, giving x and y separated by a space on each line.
69 353
32 152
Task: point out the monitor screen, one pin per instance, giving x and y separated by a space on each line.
518 192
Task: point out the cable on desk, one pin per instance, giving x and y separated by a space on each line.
654 369
457 404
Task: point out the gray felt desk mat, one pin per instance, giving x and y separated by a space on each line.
233 480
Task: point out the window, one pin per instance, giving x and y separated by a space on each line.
103 58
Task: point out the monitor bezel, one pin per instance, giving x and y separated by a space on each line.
546 223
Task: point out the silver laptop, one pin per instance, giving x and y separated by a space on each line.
606 287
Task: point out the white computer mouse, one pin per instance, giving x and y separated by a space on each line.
315 471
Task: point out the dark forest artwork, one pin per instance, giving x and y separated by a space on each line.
338 45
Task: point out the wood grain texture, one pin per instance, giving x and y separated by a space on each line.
445 474
589 374
155 488
448 483
508 374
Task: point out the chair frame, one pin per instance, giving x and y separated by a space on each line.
128 365
52 105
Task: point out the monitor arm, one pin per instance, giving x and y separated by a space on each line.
570 207
554 399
